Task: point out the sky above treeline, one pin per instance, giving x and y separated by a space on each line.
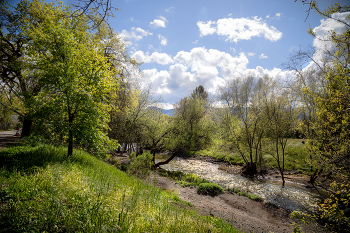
184 43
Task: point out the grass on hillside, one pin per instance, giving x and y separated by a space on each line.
295 159
41 190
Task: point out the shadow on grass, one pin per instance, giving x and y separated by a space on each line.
25 158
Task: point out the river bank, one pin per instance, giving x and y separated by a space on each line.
291 176
239 211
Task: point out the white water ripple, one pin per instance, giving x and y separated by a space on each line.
291 197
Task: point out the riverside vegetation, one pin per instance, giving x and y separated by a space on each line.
204 187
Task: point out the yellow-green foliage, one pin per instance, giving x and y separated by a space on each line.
141 165
42 190
335 208
74 80
334 211
297 154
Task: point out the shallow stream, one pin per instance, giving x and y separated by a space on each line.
292 197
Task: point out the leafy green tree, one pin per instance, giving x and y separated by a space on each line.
281 121
16 73
130 115
131 99
192 125
155 132
241 97
78 79
333 144
8 115
199 92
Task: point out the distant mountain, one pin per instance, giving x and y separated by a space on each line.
168 112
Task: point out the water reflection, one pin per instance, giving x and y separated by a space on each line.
291 197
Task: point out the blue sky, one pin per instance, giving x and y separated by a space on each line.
183 44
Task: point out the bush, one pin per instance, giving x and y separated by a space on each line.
193 180
209 188
184 180
334 211
141 166
183 183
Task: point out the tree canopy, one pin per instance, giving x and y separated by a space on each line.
60 72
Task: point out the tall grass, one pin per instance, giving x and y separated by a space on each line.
42 190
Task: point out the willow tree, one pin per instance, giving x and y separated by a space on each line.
77 79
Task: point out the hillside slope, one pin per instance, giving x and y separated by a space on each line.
42 190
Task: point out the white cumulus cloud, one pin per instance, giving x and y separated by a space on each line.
157 23
157 79
160 58
262 56
134 34
205 28
163 40
170 9
323 46
200 66
239 29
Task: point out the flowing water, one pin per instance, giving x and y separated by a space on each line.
292 196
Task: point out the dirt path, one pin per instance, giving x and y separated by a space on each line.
239 211
7 138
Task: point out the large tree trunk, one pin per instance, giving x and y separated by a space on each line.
70 136
70 143
249 169
282 175
27 127
154 157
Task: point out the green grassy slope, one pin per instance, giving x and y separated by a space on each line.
42 190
